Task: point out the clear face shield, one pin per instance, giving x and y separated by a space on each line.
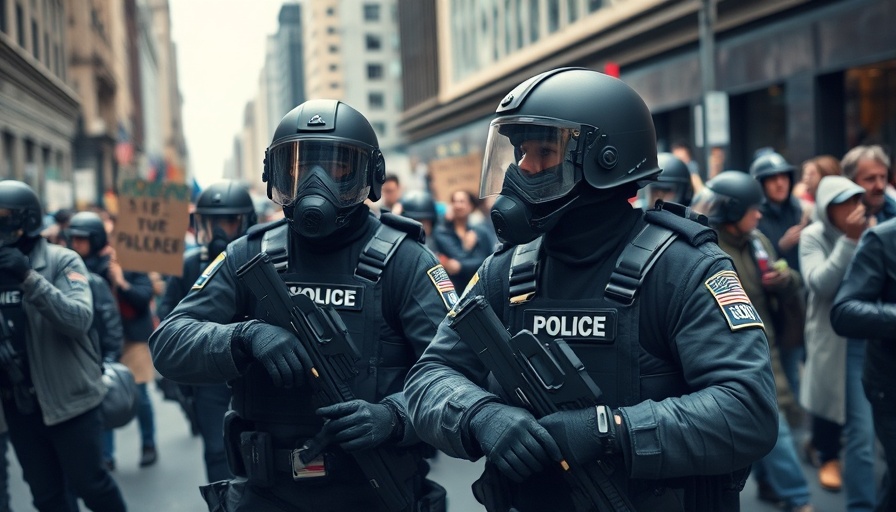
227 226
539 158
340 169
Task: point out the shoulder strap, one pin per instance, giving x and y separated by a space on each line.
410 226
275 242
663 225
378 251
524 271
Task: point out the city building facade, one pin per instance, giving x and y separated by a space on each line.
803 77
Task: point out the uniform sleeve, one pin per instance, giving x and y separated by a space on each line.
107 309
65 300
730 418
443 390
193 344
858 311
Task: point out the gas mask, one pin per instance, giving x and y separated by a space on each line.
320 208
519 220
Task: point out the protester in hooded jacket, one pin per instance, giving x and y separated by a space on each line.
832 385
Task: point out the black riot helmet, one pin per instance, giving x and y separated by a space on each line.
418 205
89 225
587 129
674 183
225 201
323 162
726 198
769 164
21 213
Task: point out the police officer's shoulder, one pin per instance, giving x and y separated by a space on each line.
259 229
687 224
411 227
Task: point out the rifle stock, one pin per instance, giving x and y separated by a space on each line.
544 378
326 340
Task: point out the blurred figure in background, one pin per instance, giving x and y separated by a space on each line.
832 386
682 151
391 199
869 167
462 245
420 206
672 185
224 211
814 170
732 203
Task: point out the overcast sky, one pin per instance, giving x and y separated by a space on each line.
220 51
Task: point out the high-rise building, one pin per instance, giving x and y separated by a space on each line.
352 54
38 107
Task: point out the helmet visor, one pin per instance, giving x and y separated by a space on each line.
539 155
339 167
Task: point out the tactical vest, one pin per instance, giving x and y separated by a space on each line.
603 332
357 297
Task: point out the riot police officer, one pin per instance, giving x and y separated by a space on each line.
673 184
420 206
224 211
686 398
389 291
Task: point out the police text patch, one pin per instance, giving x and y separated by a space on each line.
208 272
733 301
340 296
443 284
596 325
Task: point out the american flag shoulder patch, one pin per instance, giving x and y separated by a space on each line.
439 277
725 287
209 272
75 276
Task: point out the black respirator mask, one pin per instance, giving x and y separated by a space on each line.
315 213
517 218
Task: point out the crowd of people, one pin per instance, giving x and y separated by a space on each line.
740 309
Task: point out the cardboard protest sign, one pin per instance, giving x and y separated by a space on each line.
152 221
455 173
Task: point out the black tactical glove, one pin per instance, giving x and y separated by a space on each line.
277 350
359 425
513 441
14 263
580 435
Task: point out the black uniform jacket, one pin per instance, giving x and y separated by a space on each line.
726 417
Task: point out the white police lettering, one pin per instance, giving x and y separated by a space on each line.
742 312
592 326
328 296
11 297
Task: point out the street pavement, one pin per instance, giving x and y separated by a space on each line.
171 485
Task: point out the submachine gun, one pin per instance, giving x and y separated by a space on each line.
544 378
325 338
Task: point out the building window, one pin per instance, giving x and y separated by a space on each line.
379 127
375 71
371 12
331 30
376 100
334 67
334 49
3 22
373 42
334 85
553 16
594 5
35 40
20 25
331 11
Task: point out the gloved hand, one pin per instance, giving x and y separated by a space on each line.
277 350
14 263
577 434
359 425
513 441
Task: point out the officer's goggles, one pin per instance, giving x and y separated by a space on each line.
340 167
539 155
10 226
